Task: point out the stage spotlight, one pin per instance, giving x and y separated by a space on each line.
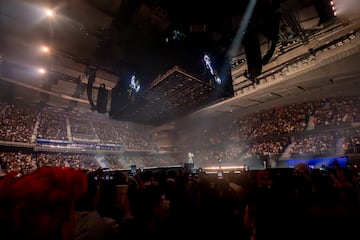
49 13
41 70
45 49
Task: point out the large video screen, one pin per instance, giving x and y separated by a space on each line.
133 88
216 71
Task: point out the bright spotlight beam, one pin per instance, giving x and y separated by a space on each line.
241 30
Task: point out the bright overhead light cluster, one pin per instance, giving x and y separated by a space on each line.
41 70
49 12
332 4
44 49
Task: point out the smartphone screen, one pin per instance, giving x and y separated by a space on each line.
133 169
220 174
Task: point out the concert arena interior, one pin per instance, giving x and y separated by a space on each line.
162 119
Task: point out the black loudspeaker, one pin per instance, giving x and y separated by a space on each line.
102 99
119 99
90 73
253 53
324 9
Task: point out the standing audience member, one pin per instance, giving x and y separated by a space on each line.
90 225
342 182
40 205
150 209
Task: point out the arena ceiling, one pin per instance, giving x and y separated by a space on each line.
150 37
143 36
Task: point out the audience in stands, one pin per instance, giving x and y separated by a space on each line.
292 131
